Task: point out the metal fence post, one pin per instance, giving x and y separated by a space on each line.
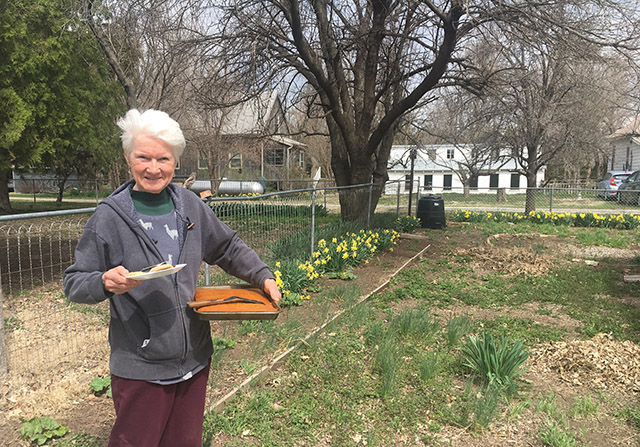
3 355
325 193
398 199
313 218
369 205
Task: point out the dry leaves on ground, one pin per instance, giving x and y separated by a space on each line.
601 362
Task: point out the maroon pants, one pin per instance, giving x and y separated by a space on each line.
151 415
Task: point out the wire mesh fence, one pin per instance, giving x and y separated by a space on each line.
551 199
45 332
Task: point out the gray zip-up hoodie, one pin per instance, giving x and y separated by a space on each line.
152 333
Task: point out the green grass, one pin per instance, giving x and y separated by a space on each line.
525 329
26 206
630 415
392 367
580 291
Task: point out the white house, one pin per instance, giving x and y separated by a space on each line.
625 155
435 170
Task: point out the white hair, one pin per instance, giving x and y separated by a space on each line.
152 123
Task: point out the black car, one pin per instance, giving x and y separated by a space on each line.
629 190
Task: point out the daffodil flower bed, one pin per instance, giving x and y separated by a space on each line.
407 224
294 277
620 221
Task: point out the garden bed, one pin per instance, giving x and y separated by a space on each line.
553 366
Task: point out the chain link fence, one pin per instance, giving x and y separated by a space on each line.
44 332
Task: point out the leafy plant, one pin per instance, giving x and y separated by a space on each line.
101 385
479 408
39 431
12 324
407 224
248 366
552 435
631 415
386 363
496 362
345 275
80 439
223 343
415 323
429 367
220 345
547 405
456 328
585 406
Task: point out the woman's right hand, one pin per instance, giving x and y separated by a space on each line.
116 280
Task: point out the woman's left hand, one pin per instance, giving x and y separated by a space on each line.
270 288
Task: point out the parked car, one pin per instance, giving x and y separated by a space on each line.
608 186
629 190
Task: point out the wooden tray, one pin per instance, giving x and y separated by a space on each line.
236 311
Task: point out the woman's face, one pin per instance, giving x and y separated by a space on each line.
152 164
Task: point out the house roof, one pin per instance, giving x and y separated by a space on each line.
631 129
287 141
252 116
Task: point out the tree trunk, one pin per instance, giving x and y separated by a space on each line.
532 191
5 204
61 183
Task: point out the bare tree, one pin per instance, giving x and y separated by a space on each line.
467 122
371 62
151 46
553 99
307 122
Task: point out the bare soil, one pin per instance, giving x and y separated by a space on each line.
570 369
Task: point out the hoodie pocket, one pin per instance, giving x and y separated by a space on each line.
166 337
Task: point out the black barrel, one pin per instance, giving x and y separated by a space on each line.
431 212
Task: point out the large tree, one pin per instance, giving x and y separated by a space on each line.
555 100
373 61
48 89
29 62
86 143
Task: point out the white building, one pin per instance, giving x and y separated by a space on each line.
435 170
626 148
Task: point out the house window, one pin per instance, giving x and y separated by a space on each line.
202 160
274 156
450 154
235 161
428 182
407 182
473 182
493 181
515 181
448 179
301 159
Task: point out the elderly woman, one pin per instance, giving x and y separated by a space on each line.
160 350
